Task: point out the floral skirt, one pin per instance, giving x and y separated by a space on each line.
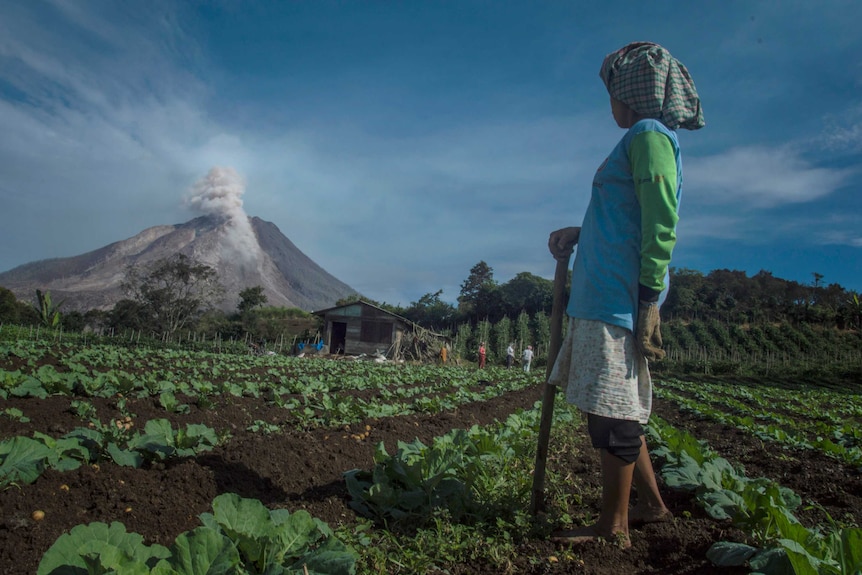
602 371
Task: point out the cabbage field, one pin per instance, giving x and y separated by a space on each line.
117 457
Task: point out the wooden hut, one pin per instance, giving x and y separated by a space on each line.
360 327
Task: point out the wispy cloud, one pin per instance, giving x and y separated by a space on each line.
756 228
99 122
710 227
761 177
843 132
844 229
840 237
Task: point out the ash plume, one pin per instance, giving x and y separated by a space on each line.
219 193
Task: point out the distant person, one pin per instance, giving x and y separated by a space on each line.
481 354
443 354
619 278
527 358
510 355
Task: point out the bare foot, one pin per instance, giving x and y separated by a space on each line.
643 515
589 534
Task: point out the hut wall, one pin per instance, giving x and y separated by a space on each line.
368 329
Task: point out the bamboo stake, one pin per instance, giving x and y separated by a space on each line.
537 498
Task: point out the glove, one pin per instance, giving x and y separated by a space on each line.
648 332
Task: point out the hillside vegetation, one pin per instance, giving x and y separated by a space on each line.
723 322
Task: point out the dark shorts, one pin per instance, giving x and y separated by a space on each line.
620 437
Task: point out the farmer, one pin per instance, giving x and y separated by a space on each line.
527 358
620 277
481 354
510 355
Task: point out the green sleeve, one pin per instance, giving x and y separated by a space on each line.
654 172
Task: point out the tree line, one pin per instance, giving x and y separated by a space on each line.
729 296
180 293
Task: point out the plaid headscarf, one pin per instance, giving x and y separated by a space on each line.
646 78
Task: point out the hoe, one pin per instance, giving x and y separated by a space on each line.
537 498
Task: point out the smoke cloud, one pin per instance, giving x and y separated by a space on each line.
219 193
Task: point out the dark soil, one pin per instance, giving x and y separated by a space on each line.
303 470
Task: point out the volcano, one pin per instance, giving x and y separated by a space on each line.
93 280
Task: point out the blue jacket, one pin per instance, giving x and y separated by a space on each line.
608 260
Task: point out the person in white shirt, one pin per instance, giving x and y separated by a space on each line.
510 356
527 357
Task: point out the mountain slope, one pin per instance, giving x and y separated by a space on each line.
269 259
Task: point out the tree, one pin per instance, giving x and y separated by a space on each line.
502 336
817 279
463 338
522 330
49 313
483 333
431 312
854 306
173 290
477 292
96 319
128 314
480 276
250 298
73 321
685 296
542 329
9 307
527 292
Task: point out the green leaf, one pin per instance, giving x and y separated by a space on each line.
204 551
68 555
109 558
168 400
66 453
161 429
771 562
292 534
22 460
803 562
721 504
331 558
729 554
718 473
851 549
685 475
245 521
196 438
124 457
269 540
30 387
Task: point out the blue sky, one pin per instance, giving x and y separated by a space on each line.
399 143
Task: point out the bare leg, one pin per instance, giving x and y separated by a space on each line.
613 521
616 489
650 506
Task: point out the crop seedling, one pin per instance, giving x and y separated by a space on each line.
15 414
263 427
169 401
204 402
83 409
